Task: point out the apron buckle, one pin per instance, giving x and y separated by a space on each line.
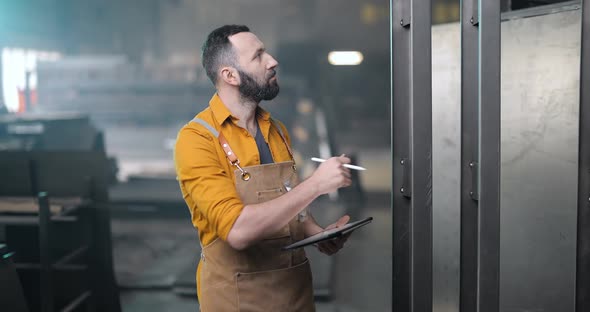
245 175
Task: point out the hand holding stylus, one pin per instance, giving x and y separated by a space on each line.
331 175
345 165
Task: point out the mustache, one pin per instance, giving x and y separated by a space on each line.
271 74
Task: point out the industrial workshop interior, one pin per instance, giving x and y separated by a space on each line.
471 118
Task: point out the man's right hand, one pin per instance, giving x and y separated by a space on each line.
332 175
257 221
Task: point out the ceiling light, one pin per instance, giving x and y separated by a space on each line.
345 57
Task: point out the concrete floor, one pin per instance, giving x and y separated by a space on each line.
164 301
155 260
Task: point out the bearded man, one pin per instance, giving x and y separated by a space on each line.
238 177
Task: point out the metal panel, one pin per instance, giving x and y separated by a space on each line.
583 250
542 10
540 103
469 152
489 157
446 187
412 140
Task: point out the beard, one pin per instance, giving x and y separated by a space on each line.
250 89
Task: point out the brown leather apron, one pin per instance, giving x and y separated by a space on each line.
261 277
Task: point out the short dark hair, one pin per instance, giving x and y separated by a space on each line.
218 51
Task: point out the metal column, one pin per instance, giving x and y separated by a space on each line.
489 157
480 155
412 154
469 152
583 248
45 261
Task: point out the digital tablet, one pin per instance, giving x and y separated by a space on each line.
329 234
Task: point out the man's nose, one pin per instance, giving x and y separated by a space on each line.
272 62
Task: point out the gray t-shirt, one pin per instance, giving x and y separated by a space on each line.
263 150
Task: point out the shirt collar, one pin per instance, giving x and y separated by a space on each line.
262 113
221 112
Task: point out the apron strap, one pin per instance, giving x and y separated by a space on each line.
272 121
227 149
231 156
206 125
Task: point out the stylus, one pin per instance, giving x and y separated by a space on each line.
345 165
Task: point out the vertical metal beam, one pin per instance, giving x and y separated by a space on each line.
400 119
489 157
412 154
3 107
45 278
583 248
469 152
505 5
28 99
480 155
105 290
421 156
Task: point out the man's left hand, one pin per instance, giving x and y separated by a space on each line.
330 247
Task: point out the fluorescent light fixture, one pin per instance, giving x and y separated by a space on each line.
345 57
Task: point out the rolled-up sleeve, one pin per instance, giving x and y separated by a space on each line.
206 184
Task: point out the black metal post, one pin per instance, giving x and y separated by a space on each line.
45 276
480 155
489 157
583 248
412 154
469 154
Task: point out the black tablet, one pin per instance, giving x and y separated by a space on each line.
329 234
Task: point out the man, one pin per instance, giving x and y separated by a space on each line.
238 177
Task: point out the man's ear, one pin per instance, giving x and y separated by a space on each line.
230 76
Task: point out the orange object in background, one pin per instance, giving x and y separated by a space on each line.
22 102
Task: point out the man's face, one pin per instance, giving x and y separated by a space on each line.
257 91
256 68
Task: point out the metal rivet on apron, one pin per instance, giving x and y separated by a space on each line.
245 176
224 145
229 153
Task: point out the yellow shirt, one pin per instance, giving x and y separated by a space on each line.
205 175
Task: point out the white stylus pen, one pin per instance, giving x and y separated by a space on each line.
345 165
